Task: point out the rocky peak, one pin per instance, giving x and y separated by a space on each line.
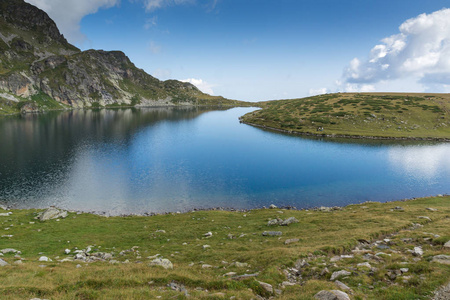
27 17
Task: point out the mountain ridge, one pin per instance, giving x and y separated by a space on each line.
41 70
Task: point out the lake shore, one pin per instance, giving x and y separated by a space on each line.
382 251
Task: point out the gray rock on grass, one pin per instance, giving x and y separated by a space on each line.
442 259
331 295
338 274
267 287
52 213
163 262
3 263
272 233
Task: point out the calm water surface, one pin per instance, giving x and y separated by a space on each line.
166 159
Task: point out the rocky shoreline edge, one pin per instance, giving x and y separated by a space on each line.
231 209
362 137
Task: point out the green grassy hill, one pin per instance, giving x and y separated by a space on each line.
382 115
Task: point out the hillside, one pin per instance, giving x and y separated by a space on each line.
40 70
373 115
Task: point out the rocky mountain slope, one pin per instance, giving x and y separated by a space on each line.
40 70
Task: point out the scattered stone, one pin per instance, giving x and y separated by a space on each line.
18 262
331 295
290 241
178 287
67 251
245 276
206 266
160 231
5 214
163 262
44 258
335 259
364 264
52 213
425 217
272 206
78 266
398 208
229 274
342 285
338 274
276 221
272 233
431 209
442 259
289 221
447 245
324 272
208 234
241 265
7 236
417 251
287 283
267 287
404 270
10 250
206 246
3 263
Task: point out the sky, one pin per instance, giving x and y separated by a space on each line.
258 50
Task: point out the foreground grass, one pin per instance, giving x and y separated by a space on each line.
394 115
236 237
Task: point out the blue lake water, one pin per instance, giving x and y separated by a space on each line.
175 159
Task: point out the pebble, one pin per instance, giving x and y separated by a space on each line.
338 274
44 258
272 233
290 241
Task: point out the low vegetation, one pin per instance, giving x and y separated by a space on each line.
380 115
223 254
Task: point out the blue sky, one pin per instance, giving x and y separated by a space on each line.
271 49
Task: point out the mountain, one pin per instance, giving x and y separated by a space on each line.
40 70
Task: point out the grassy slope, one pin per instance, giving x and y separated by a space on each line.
370 114
322 234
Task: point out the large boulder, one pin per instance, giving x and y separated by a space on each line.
52 213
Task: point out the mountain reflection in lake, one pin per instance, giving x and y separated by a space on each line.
169 159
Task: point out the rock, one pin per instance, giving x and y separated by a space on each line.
67 251
398 208
338 274
276 221
5 214
324 272
425 217
3 263
206 246
52 213
364 264
289 221
331 295
229 274
342 286
241 265
267 287
335 259
447 245
208 234
18 262
163 262
431 209
272 233
206 266
290 241
44 258
442 259
160 231
10 250
272 206
404 270
417 251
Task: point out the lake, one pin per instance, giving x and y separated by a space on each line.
175 159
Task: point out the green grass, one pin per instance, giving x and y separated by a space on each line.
380 115
321 234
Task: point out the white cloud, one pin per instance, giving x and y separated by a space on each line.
203 86
421 50
162 74
313 92
67 14
152 5
150 22
154 48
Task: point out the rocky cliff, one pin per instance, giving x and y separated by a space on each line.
40 70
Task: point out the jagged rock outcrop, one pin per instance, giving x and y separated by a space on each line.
39 65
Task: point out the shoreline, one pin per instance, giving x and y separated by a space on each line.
219 208
347 136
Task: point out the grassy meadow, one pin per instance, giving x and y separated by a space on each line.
296 269
383 115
